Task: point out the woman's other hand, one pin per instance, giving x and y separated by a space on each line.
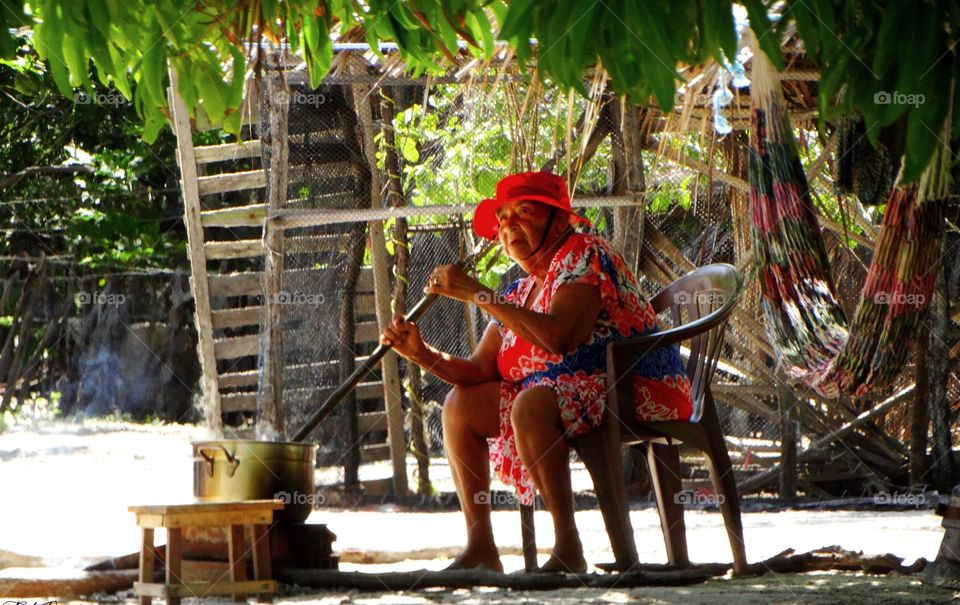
452 281
404 337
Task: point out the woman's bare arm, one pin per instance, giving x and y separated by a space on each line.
570 320
480 367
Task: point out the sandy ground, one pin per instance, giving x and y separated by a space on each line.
67 487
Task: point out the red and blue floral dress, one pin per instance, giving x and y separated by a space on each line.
578 378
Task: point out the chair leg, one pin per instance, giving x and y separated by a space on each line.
725 485
602 457
664 464
528 538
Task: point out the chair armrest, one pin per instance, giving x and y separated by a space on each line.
641 345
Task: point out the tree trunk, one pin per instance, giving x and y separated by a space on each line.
401 240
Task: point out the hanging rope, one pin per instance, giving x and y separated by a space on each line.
804 320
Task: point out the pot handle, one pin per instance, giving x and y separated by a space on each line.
231 460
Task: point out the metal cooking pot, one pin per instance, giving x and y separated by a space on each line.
245 469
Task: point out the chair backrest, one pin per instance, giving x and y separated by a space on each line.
701 302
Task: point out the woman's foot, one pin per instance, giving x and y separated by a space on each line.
567 560
472 558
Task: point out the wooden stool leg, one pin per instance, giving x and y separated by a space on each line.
148 555
174 560
238 559
261 559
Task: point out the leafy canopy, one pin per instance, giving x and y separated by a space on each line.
865 48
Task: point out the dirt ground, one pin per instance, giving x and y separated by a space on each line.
801 589
68 485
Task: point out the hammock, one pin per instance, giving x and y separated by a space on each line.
805 323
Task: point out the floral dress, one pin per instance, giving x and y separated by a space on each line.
661 387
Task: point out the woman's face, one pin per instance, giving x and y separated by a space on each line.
522 226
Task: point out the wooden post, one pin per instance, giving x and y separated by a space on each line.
270 387
348 415
469 310
198 260
787 407
630 180
920 413
382 293
938 358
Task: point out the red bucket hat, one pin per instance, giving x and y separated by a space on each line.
544 187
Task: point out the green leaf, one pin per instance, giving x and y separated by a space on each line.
408 150
767 36
311 33
660 73
719 33
808 26
98 15
892 26
925 51
121 78
516 20
924 127
481 29
583 29
210 88
11 17
238 69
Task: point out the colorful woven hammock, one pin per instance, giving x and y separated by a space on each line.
804 321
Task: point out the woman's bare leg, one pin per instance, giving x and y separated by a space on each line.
470 415
545 453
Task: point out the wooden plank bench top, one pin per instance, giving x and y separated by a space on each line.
207 506
207 513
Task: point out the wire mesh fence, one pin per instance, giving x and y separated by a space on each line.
406 159
438 150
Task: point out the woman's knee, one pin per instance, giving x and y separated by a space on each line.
454 411
474 408
534 407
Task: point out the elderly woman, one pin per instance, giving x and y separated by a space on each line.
537 376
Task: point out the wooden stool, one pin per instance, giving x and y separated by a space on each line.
230 515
